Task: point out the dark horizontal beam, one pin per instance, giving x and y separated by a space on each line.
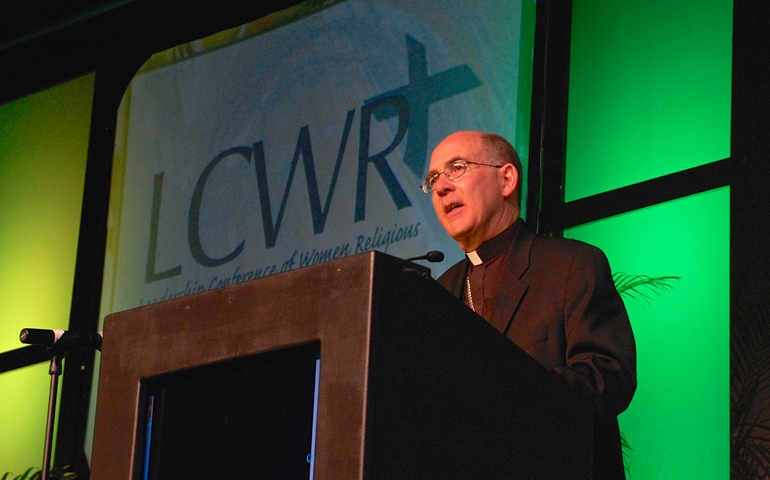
111 32
640 195
23 357
24 20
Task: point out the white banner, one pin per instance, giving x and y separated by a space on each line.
304 143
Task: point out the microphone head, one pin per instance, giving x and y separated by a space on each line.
36 336
434 256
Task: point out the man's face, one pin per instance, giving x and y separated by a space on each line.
472 208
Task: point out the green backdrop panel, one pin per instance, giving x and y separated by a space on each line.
678 422
43 150
649 90
23 418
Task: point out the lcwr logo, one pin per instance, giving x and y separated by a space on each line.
409 104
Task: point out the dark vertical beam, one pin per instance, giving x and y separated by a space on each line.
111 81
750 256
535 169
750 141
548 134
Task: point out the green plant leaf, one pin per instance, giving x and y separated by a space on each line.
749 388
627 454
56 473
642 287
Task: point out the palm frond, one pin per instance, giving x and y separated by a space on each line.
56 473
627 454
749 385
643 287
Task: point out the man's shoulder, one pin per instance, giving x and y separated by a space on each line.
567 253
557 244
529 240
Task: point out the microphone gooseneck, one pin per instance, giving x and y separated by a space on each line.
434 256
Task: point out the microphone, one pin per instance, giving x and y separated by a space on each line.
61 339
434 256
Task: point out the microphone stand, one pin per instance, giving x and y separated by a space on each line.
55 371
58 347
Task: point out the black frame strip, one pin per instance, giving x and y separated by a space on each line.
23 357
546 208
641 195
548 131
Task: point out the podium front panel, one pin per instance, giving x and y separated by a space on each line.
412 383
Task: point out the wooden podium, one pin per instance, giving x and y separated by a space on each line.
413 384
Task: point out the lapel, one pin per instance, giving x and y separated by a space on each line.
515 288
458 282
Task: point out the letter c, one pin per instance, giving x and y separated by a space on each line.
193 222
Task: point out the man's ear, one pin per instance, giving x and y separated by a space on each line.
510 179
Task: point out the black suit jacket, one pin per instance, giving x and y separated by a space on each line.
560 305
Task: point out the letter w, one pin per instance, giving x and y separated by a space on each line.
305 149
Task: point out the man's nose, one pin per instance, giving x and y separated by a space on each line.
442 185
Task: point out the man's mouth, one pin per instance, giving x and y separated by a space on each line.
452 206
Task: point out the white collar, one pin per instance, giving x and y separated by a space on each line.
474 258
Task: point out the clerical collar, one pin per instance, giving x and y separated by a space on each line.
494 246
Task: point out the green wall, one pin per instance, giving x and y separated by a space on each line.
649 95
678 424
650 90
43 150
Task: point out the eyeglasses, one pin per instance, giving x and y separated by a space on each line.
452 172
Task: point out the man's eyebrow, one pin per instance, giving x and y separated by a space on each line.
448 162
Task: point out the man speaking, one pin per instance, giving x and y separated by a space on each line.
553 297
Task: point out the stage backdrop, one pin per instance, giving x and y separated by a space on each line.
302 138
